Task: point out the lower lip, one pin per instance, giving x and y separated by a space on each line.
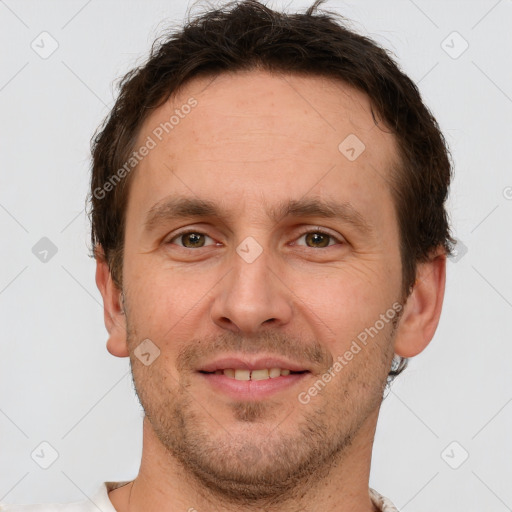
252 389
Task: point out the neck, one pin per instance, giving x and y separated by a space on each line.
164 485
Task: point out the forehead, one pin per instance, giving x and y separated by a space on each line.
260 99
269 134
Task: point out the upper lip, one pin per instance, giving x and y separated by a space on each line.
247 363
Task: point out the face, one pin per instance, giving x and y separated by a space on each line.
260 244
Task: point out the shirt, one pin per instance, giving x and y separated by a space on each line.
100 501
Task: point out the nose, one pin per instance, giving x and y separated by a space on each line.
252 297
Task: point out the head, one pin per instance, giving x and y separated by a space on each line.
268 184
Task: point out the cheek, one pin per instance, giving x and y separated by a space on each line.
165 300
346 306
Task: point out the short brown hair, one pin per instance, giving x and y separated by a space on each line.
246 35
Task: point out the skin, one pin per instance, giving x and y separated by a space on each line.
253 141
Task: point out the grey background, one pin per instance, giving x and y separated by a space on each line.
57 381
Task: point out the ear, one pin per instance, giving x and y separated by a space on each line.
114 317
422 309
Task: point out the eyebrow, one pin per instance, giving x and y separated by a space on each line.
189 207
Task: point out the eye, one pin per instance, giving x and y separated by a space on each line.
318 239
190 239
314 239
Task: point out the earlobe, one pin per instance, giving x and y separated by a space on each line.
422 310
113 311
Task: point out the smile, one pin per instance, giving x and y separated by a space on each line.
257 374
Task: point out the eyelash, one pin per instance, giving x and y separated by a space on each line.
306 232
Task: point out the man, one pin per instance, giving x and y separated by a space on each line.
269 226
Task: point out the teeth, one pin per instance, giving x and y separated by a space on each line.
242 374
261 374
274 372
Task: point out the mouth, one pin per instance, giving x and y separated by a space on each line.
244 374
242 379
